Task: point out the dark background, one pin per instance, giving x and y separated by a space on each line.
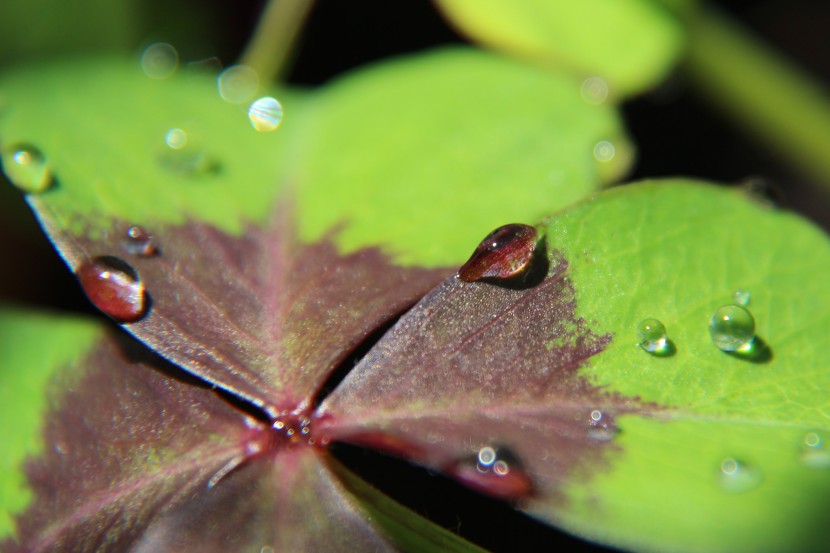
675 132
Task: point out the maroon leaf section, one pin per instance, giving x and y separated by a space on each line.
480 381
260 315
140 460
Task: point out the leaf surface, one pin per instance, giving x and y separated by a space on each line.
697 450
629 43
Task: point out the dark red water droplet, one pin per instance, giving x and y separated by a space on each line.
114 288
139 242
504 253
496 472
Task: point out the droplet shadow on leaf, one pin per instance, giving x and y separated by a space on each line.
492 524
757 351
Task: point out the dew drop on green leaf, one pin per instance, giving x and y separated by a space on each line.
814 451
265 114
27 168
738 477
114 287
139 242
237 84
652 336
732 328
742 297
159 60
176 138
180 156
604 151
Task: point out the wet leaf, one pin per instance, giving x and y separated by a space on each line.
699 450
630 44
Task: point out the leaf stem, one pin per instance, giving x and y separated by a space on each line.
761 90
269 49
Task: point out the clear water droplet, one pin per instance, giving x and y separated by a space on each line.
265 114
594 90
652 336
742 297
604 151
176 138
504 253
114 287
495 471
159 60
732 328
237 84
814 451
737 477
138 242
601 427
27 168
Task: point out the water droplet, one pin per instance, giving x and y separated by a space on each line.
159 60
113 287
594 90
27 168
604 151
237 84
732 328
652 336
265 114
742 297
814 451
138 242
495 471
504 253
600 426
266 549
763 192
738 477
176 138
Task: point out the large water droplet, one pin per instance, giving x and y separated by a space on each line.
265 114
814 451
604 151
495 471
742 297
504 253
159 60
27 168
594 90
738 477
732 328
237 84
138 242
114 287
652 336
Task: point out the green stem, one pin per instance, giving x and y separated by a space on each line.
270 47
762 91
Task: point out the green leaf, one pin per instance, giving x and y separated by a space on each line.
425 155
629 43
101 126
35 346
677 251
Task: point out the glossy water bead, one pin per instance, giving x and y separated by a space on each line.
732 327
27 168
265 114
652 336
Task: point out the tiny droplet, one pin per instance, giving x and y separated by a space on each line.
604 151
814 451
27 168
504 253
114 287
738 477
138 242
652 336
594 90
237 84
176 138
600 427
265 114
159 60
742 297
495 471
732 328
